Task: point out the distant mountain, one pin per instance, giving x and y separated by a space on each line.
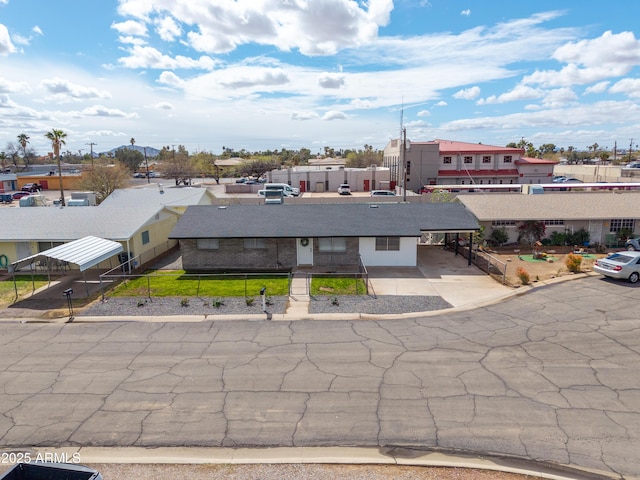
151 152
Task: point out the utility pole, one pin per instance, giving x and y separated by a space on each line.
630 148
404 164
91 146
146 162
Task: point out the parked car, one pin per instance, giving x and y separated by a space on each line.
558 179
344 189
632 244
139 175
6 198
19 195
382 193
571 180
633 165
32 187
620 265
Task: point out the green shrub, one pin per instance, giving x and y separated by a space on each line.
557 238
184 302
499 236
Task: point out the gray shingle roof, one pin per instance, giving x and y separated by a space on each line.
327 220
24 224
547 206
172 197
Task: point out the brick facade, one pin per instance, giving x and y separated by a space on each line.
278 254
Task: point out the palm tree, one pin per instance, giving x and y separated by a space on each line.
23 139
133 142
57 140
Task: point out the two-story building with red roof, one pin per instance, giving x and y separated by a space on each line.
445 162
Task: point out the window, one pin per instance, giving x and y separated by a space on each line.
468 159
486 159
333 244
618 224
145 237
208 244
503 223
553 222
387 243
250 243
508 159
446 159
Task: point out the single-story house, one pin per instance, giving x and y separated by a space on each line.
140 219
602 214
142 230
176 199
287 236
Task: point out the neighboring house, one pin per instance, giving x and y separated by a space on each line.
142 230
8 182
603 215
284 237
176 199
445 162
328 179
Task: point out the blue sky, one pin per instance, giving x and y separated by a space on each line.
271 74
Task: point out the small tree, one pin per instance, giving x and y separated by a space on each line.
499 236
104 180
523 275
530 232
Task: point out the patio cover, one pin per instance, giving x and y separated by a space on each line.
85 252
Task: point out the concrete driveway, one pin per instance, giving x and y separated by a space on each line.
439 273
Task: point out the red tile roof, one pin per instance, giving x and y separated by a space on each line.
448 146
535 161
478 173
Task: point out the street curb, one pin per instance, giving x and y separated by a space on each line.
284 317
400 456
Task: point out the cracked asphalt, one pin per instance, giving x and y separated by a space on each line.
553 375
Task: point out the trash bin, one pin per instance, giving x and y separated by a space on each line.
50 471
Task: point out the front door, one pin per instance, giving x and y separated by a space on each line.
367 185
305 251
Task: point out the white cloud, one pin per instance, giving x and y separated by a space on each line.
599 87
7 86
164 106
466 12
320 27
171 79
168 29
130 27
6 46
628 86
467 93
334 115
559 97
304 116
441 103
254 77
331 80
65 89
519 93
149 57
610 55
102 111
37 30
424 113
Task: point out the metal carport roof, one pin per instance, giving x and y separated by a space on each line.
85 252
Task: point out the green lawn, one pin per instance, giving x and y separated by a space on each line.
337 286
177 283
23 282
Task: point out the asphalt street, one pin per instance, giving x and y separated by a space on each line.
553 375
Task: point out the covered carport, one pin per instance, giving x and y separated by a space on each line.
84 253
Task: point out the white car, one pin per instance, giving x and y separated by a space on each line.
382 193
344 189
620 265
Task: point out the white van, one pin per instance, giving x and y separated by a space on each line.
287 190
